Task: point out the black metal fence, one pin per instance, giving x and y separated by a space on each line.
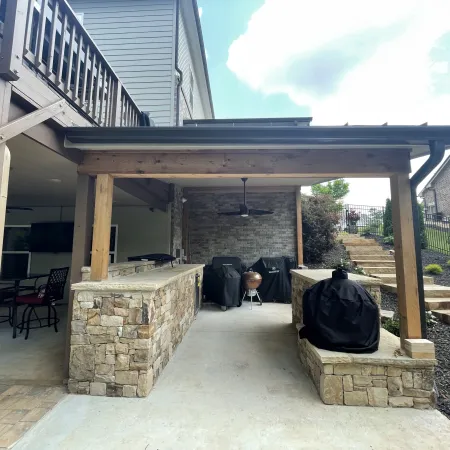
437 229
362 219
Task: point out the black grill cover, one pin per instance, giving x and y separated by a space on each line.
340 315
275 285
235 262
222 285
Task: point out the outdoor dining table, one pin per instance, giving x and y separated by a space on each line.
14 285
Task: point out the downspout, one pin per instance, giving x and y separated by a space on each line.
437 152
177 68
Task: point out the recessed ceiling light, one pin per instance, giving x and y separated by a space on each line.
55 180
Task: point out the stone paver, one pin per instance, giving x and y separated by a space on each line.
21 407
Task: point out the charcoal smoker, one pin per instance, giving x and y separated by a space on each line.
252 281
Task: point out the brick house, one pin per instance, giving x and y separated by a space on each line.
436 193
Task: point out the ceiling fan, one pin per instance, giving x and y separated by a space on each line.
17 208
244 210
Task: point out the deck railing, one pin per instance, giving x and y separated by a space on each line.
58 47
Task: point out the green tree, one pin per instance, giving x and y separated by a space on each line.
387 219
337 189
423 234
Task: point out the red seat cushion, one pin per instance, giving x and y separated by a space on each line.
30 299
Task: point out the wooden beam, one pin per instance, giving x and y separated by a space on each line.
18 126
140 191
5 158
293 163
13 39
405 258
44 135
237 189
298 198
82 238
102 227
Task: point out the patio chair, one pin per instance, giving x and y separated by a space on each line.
45 296
6 297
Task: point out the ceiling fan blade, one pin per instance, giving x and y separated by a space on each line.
231 213
259 212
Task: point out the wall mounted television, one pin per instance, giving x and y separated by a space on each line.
51 237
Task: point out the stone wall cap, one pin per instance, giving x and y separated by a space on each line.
121 266
144 281
387 355
316 275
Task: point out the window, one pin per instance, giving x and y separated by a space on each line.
191 90
16 257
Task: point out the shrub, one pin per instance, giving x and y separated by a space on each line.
430 319
434 269
320 219
423 233
343 264
389 240
393 326
359 270
387 219
448 262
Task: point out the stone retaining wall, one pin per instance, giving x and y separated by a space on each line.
120 342
380 384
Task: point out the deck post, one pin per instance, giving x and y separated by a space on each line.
298 196
82 236
405 258
102 227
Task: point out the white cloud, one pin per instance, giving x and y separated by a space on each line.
352 61
200 11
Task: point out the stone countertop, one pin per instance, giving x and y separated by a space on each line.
316 275
145 281
387 354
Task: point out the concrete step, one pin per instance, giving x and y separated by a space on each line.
391 279
437 303
443 316
373 263
431 290
376 270
380 257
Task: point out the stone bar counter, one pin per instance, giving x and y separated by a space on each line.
387 377
125 329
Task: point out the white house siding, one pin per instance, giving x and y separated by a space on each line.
186 65
137 39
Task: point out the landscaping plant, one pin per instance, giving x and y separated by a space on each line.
387 219
423 233
389 240
434 269
320 219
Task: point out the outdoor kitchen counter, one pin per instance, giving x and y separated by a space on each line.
125 329
144 281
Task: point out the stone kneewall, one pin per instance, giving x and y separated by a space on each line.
300 285
370 385
124 269
120 342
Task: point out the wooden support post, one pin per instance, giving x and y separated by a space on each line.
298 195
102 227
82 237
405 258
5 158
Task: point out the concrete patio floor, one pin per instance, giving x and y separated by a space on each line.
235 382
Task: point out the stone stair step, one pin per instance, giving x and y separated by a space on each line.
443 316
373 263
362 242
391 278
384 270
366 250
431 290
437 303
380 257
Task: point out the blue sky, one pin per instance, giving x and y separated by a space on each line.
347 61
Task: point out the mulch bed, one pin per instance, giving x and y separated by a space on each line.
331 259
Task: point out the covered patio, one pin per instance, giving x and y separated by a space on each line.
232 152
